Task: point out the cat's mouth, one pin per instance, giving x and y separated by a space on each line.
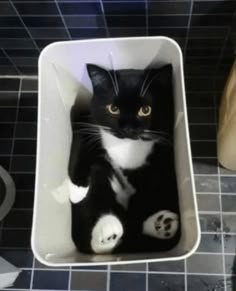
130 134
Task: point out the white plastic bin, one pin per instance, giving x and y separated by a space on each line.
63 75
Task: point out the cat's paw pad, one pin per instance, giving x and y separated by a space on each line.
77 193
163 224
106 234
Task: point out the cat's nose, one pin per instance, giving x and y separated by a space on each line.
128 130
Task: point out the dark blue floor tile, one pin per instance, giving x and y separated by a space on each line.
177 266
163 282
127 282
198 282
51 280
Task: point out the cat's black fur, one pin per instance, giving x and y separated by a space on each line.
154 182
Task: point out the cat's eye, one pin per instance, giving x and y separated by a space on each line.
113 109
144 111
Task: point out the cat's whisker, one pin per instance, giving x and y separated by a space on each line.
164 141
92 125
144 83
156 132
116 81
113 83
93 142
148 85
114 73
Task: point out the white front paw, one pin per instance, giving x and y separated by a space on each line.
163 224
106 234
77 193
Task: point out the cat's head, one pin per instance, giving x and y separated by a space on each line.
132 103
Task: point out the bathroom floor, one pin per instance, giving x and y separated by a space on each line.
212 267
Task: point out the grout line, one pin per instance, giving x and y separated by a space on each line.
32 274
146 278
63 20
104 19
185 276
69 279
108 277
31 77
26 28
127 14
127 271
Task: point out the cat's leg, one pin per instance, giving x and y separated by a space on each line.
78 171
97 221
163 224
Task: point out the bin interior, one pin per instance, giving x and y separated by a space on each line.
63 76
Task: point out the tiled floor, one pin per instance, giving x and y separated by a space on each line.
212 267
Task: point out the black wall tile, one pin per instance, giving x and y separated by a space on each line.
4 61
84 21
6 9
82 8
24 199
170 32
6 130
41 43
28 70
38 33
164 7
211 20
19 219
25 147
121 32
41 21
10 21
37 8
13 33
22 52
20 43
123 8
24 181
126 21
8 70
9 84
87 32
214 7
173 21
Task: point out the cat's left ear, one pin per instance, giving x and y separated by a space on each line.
101 79
164 75
157 77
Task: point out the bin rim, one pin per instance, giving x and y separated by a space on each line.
130 261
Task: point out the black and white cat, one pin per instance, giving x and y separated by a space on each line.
123 187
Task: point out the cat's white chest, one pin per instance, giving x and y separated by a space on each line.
126 153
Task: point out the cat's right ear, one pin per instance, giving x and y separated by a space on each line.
101 79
